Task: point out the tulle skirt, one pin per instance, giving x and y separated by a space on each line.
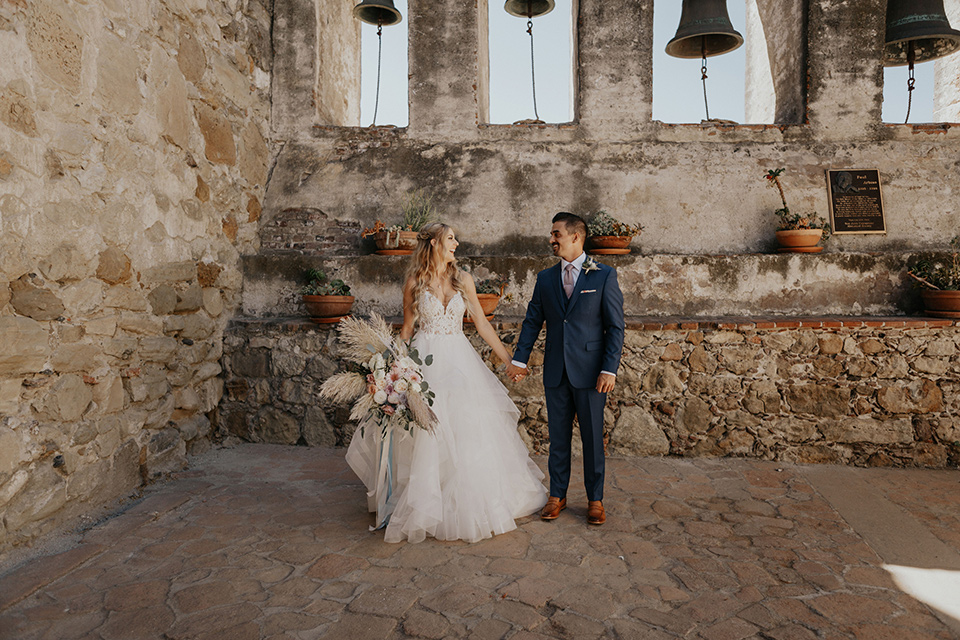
468 480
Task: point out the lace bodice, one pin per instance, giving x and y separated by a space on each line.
434 319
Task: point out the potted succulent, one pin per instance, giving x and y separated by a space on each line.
941 284
609 236
401 239
796 232
326 300
489 292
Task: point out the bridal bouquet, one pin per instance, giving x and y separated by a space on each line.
388 387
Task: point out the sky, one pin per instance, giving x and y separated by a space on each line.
677 89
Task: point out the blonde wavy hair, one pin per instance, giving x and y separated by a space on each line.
427 263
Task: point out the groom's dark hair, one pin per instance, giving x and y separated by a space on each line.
573 223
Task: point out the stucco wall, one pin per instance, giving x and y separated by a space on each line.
133 163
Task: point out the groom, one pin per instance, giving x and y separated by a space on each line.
582 305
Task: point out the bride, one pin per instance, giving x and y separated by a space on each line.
472 477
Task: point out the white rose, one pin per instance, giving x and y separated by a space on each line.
394 398
407 363
380 397
400 385
415 387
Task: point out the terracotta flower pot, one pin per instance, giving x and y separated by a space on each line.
488 303
941 304
328 309
395 243
609 245
799 240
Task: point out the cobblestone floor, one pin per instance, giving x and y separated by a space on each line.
264 541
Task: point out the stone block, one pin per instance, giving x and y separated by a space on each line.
10 395
208 370
4 293
105 326
701 361
288 363
82 298
860 367
173 324
117 67
868 429
190 299
916 396
26 346
724 337
186 398
163 299
166 452
275 426
84 434
662 379
141 323
33 301
317 429
940 348
65 263
196 426
66 400
932 366
793 429
637 433
10 451
56 40
207 274
895 366
190 57
69 358
781 341
170 273
11 487
219 144
251 363
197 326
159 349
124 297
211 391
114 266
739 360
43 494
831 344
212 301
818 400
121 348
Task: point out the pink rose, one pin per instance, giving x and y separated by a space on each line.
388 409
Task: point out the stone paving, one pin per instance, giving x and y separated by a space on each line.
263 541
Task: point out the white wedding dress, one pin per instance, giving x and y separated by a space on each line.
472 477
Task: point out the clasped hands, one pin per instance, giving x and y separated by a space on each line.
516 373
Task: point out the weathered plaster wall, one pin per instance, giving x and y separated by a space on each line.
133 163
698 189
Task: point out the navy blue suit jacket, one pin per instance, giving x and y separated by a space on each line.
584 333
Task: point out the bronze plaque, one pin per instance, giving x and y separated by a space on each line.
856 203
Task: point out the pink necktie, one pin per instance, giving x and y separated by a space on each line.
568 280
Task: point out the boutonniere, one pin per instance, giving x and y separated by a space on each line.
590 265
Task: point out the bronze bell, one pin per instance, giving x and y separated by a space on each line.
529 8
922 22
705 30
377 12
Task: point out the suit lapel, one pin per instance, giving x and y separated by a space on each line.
577 288
556 287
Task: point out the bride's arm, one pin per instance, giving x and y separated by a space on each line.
407 331
480 321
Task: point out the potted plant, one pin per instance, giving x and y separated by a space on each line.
401 239
796 232
609 236
489 292
326 300
941 284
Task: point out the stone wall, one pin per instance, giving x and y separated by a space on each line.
864 392
133 164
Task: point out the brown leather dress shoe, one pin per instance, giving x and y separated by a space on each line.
595 512
553 508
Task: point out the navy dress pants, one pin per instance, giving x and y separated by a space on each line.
563 403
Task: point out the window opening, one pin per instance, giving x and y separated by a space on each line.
513 83
383 63
918 33
706 30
